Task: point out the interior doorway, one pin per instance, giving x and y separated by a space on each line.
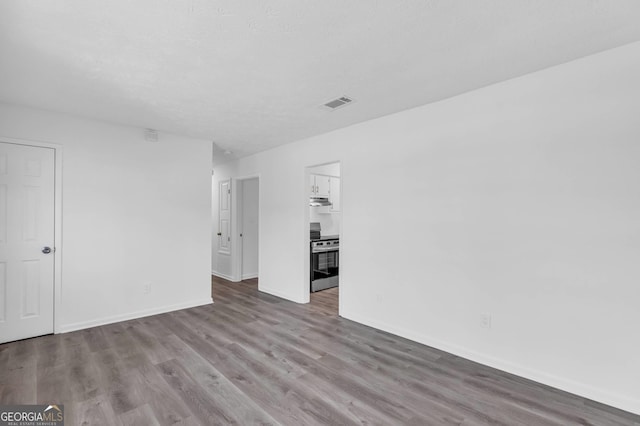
248 195
324 231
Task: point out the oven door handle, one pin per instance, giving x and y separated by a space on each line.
324 250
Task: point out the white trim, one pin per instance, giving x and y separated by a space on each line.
249 276
133 315
57 225
324 174
305 291
221 275
615 400
246 177
341 252
280 294
236 224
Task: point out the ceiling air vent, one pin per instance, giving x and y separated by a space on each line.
337 103
151 135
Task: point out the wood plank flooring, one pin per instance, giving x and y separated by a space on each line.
252 358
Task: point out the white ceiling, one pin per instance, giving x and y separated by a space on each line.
253 74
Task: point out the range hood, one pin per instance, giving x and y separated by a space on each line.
319 201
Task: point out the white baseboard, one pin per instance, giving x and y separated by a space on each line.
226 277
66 328
230 278
622 402
278 294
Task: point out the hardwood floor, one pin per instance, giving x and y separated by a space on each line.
252 358
326 301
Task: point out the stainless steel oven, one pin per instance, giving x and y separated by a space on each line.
324 264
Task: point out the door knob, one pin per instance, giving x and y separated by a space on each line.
219 233
46 250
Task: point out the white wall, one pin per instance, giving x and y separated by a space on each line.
250 228
132 212
329 221
332 169
521 200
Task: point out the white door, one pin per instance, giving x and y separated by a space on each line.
249 231
224 225
26 241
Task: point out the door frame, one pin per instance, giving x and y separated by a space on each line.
236 225
57 222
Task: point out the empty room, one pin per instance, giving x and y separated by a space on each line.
393 212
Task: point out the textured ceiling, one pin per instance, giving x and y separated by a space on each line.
253 74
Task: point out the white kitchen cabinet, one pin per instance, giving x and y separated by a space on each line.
334 195
312 180
323 186
320 186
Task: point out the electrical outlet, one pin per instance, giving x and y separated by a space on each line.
485 320
146 288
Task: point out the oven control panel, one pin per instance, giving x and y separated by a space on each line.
325 245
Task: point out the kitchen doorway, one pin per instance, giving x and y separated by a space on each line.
323 226
248 196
